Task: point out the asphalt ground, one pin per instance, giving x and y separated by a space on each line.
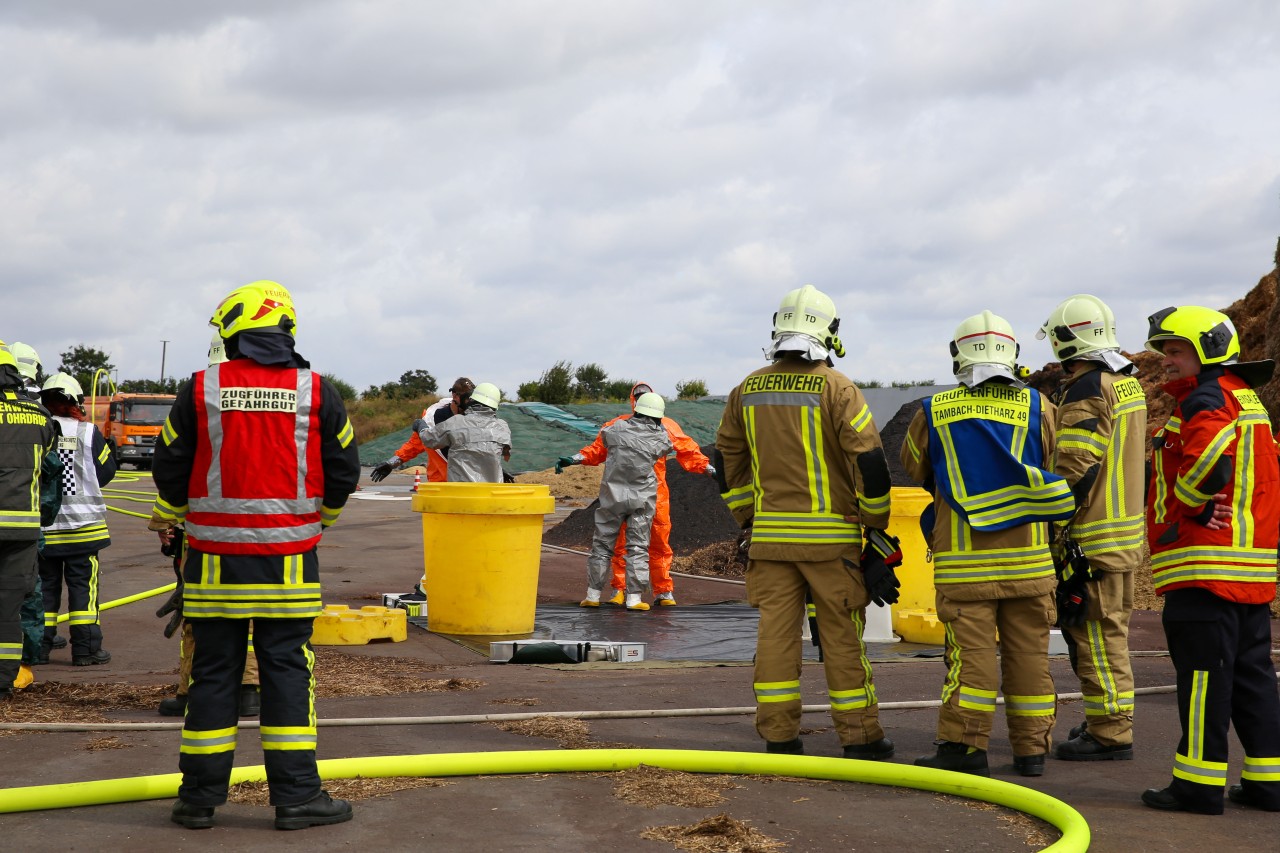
376 548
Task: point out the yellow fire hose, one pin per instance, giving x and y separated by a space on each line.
1072 825
119 602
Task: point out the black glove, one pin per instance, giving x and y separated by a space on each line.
881 554
882 584
380 472
507 478
1072 594
742 550
174 606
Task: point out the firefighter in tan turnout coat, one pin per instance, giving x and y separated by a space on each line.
1101 450
804 469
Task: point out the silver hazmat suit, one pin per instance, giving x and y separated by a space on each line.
628 493
476 440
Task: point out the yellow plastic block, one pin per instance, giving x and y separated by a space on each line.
339 625
919 626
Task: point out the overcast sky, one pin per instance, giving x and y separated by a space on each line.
487 188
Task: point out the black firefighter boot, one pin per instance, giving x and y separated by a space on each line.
319 811
959 757
250 700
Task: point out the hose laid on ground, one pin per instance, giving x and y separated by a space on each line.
449 719
119 602
1072 825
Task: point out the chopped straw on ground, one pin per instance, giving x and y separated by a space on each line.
257 793
717 834
59 702
654 786
340 674
569 733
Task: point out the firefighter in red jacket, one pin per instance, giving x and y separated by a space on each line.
689 457
256 458
1213 523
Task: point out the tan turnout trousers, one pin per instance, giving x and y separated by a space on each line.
777 590
1101 659
973 680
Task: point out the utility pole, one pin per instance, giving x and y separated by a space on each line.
164 349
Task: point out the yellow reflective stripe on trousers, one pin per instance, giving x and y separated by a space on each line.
851 700
977 700
1030 706
1192 767
1199 771
777 691
1261 769
952 651
1110 701
208 742
10 651
288 737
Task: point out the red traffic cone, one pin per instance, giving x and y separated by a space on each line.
417 480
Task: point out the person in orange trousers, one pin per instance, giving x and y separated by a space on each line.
691 459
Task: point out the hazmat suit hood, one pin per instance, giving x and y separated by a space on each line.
265 346
634 395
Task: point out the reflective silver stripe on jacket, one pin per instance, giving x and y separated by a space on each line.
82 501
216 502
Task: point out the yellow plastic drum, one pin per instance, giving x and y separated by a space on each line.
915 616
481 546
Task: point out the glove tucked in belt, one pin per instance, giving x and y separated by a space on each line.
881 554
1072 594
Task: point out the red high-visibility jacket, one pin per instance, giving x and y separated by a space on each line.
1217 441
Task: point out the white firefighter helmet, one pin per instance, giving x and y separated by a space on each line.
651 404
487 394
810 312
63 384
984 339
28 361
1080 325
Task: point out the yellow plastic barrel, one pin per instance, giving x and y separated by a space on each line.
915 616
481 545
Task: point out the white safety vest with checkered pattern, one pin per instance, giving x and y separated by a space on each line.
82 502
